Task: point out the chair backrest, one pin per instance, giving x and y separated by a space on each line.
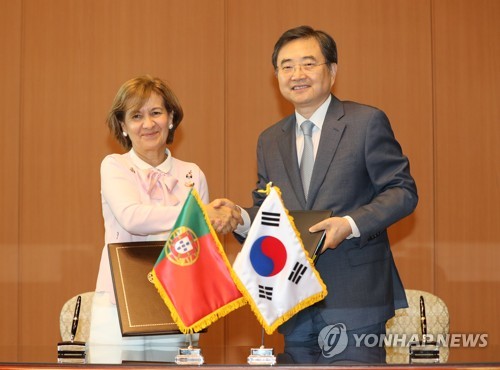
407 322
66 318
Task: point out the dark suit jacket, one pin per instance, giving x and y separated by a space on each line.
359 171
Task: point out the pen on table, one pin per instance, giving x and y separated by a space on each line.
74 325
423 320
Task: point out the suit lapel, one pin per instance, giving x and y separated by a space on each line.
331 134
285 143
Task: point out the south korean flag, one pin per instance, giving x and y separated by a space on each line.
278 277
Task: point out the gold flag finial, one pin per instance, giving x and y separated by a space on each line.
267 190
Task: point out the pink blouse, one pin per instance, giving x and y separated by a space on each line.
141 202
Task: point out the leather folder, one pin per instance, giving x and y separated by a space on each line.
140 308
303 220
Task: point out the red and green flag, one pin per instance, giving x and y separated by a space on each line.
192 273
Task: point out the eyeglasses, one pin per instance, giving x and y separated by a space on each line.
288 69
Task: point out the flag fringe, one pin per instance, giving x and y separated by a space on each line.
297 234
221 311
217 314
309 301
305 303
220 249
270 328
202 323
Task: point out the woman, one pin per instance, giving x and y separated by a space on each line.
142 193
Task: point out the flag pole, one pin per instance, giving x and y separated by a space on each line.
262 355
189 355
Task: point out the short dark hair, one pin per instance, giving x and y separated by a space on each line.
134 94
326 42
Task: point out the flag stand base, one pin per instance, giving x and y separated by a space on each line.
189 356
261 356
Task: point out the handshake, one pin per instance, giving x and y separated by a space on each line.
224 215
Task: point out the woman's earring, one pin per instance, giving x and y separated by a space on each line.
124 134
171 126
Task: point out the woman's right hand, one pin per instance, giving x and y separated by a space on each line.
224 215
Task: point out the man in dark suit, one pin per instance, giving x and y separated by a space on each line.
360 173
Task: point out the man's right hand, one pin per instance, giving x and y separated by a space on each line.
224 215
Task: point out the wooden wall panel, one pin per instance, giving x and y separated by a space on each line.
76 56
467 61
384 60
10 128
431 65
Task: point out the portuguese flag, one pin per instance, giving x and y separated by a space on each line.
192 273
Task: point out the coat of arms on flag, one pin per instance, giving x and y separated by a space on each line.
278 276
192 273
